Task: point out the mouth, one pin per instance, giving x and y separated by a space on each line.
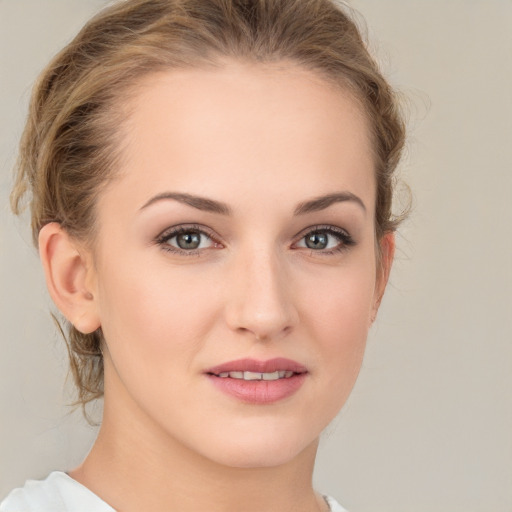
279 374
258 382
252 369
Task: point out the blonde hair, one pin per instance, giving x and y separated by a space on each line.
70 145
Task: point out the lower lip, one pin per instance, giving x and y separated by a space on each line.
259 391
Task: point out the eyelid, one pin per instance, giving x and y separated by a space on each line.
174 231
345 238
322 227
180 228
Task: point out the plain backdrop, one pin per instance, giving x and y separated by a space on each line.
429 424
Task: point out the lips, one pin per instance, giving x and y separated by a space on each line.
281 374
279 364
258 382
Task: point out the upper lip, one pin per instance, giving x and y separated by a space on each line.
253 365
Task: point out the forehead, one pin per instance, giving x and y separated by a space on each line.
239 129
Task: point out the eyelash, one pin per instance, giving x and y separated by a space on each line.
163 239
344 238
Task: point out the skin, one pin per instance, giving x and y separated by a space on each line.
262 140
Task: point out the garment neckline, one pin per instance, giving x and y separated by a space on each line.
331 502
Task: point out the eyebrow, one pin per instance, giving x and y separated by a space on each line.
200 203
323 202
212 206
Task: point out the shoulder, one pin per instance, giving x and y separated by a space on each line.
57 493
333 504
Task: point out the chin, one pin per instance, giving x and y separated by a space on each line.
260 448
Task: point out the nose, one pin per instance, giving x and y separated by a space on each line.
260 297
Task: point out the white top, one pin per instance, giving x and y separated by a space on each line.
60 493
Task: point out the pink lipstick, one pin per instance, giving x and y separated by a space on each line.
258 382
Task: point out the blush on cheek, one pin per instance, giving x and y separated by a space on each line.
342 321
344 305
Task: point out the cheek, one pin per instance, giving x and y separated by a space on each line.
152 315
154 324
343 301
339 317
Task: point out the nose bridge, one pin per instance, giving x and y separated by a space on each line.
260 298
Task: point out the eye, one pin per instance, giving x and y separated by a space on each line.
186 240
320 241
326 239
190 240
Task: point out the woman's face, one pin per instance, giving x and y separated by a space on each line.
238 237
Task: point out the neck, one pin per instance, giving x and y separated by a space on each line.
136 466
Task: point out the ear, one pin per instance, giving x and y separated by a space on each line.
387 254
69 277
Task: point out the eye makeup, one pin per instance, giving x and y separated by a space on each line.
325 240
188 240
194 239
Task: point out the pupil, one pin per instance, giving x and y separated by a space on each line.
316 241
189 240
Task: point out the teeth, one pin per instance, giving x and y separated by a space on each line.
281 374
252 376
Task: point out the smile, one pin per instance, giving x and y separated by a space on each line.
258 382
282 374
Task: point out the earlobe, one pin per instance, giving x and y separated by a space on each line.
387 253
68 277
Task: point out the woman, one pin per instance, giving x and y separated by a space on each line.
210 186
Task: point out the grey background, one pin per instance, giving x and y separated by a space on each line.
429 425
